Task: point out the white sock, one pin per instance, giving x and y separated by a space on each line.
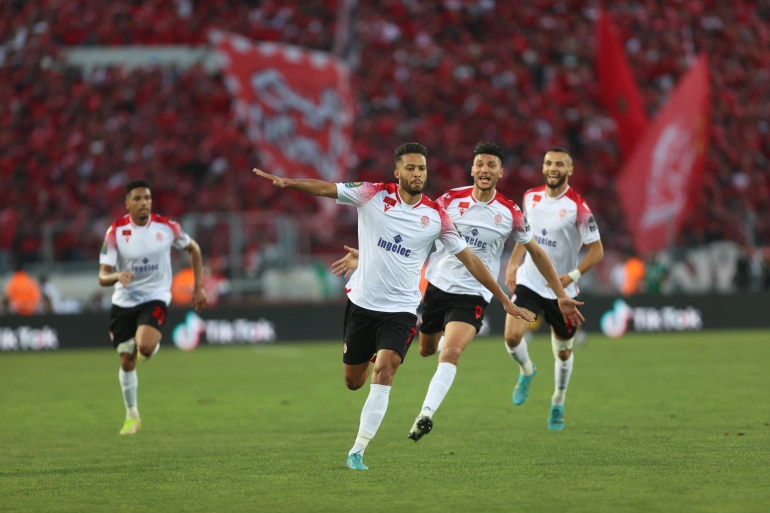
440 344
521 355
129 382
562 372
438 388
371 416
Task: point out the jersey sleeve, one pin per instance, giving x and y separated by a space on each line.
589 230
450 237
109 252
522 231
357 194
181 239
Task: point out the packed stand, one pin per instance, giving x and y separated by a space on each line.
446 74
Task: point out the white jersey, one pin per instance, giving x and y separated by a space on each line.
394 240
145 251
561 226
486 227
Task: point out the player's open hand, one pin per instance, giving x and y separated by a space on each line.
277 180
517 312
199 300
125 277
510 277
346 264
572 315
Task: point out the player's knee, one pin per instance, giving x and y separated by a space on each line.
451 355
562 349
427 349
513 339
354 383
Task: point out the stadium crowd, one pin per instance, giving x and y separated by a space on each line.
447 74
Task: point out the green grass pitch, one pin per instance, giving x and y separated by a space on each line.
654 423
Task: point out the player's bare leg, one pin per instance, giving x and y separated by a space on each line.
355 375
516 345
128 385
563 363
429 343
457 336
376 405
147 341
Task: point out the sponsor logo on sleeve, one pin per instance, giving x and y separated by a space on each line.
353 185
592 224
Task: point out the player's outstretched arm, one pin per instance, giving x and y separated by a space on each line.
479 271
346 264
199 300
108 278
314 187
513 266
567 305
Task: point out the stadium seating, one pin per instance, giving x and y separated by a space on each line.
446 74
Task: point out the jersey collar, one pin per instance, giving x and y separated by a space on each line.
422 199
560 196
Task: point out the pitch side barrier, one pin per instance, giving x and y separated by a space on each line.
260 325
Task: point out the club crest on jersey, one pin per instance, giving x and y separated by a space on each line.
389 203
498 219
424 221
159 237
126 234
463 206
562 214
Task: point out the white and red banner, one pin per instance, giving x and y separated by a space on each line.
665 169
296 103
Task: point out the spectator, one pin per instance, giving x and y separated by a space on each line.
22 292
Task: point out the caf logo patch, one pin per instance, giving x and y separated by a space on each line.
351 185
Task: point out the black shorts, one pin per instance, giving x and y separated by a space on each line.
124 321
367 331
535 303
439 308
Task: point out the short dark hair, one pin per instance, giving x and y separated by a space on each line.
135 184
410 148
559 149
489 148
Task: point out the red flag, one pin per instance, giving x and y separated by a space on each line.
666 167
619 93
296 103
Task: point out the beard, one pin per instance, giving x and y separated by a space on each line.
559 182
412 189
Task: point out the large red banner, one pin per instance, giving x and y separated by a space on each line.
619 93
296 103
665 170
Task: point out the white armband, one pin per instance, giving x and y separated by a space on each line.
575 275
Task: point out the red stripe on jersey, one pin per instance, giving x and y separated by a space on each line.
518 216
168 222
536 189
583 212
453 194
112 231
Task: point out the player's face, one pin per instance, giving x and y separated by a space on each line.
412 172
486 171
139 203
557 167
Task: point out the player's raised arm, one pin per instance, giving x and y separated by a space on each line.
314 187
479 271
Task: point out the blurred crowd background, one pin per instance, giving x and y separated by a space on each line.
445 73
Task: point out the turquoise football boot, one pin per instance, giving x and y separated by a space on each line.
556 420
356 462
521 392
